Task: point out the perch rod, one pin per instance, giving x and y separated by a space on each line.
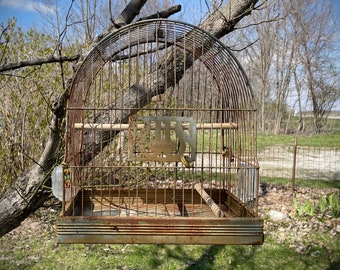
209 201
142 126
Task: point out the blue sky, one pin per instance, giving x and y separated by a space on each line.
28 12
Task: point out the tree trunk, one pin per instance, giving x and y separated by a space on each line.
300 127
28 192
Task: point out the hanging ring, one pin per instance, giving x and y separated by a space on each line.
187 163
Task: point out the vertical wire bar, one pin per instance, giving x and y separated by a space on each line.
213 137
121 71
175 106
94 111
101 161
130 65
186 104
158 57
109 168
167 175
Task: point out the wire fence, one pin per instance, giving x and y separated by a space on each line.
309 163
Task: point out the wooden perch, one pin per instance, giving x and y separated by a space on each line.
119 127
209 201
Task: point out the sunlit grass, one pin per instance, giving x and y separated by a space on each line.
300 182
325 140
210 140
322 252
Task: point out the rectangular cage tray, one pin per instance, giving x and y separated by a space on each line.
161 216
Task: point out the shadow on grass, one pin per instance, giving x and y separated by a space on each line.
207 259
334 266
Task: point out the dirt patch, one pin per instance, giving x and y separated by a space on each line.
296 229
311 163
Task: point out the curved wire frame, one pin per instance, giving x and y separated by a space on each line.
195 44
227 71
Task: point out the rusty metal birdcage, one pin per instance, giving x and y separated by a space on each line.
161 142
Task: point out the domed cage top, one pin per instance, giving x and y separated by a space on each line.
160 142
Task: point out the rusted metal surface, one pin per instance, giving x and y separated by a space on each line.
161 142
233 231
152 220
157 203
162 139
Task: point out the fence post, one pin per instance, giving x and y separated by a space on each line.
294 165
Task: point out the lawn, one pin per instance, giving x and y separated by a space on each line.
302 242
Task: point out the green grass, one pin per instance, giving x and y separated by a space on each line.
300 182
210 140
325 140
322 251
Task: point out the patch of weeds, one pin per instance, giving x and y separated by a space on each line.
334 205
308 208
329 204
323 206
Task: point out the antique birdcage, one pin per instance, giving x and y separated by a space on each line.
160 142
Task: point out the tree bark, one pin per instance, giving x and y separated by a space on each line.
39 61
28 193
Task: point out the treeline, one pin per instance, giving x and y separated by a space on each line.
291 57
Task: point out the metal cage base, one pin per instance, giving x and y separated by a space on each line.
95 224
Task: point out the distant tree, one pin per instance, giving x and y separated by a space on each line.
291 52
269 61
314 27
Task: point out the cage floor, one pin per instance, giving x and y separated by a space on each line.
162 216
150 203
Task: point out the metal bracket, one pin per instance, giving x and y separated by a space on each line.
162 139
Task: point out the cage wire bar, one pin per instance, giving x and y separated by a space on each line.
161 142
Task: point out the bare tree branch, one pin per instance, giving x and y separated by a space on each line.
163 14
60 59
39 61
245 47
129 13
276 19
